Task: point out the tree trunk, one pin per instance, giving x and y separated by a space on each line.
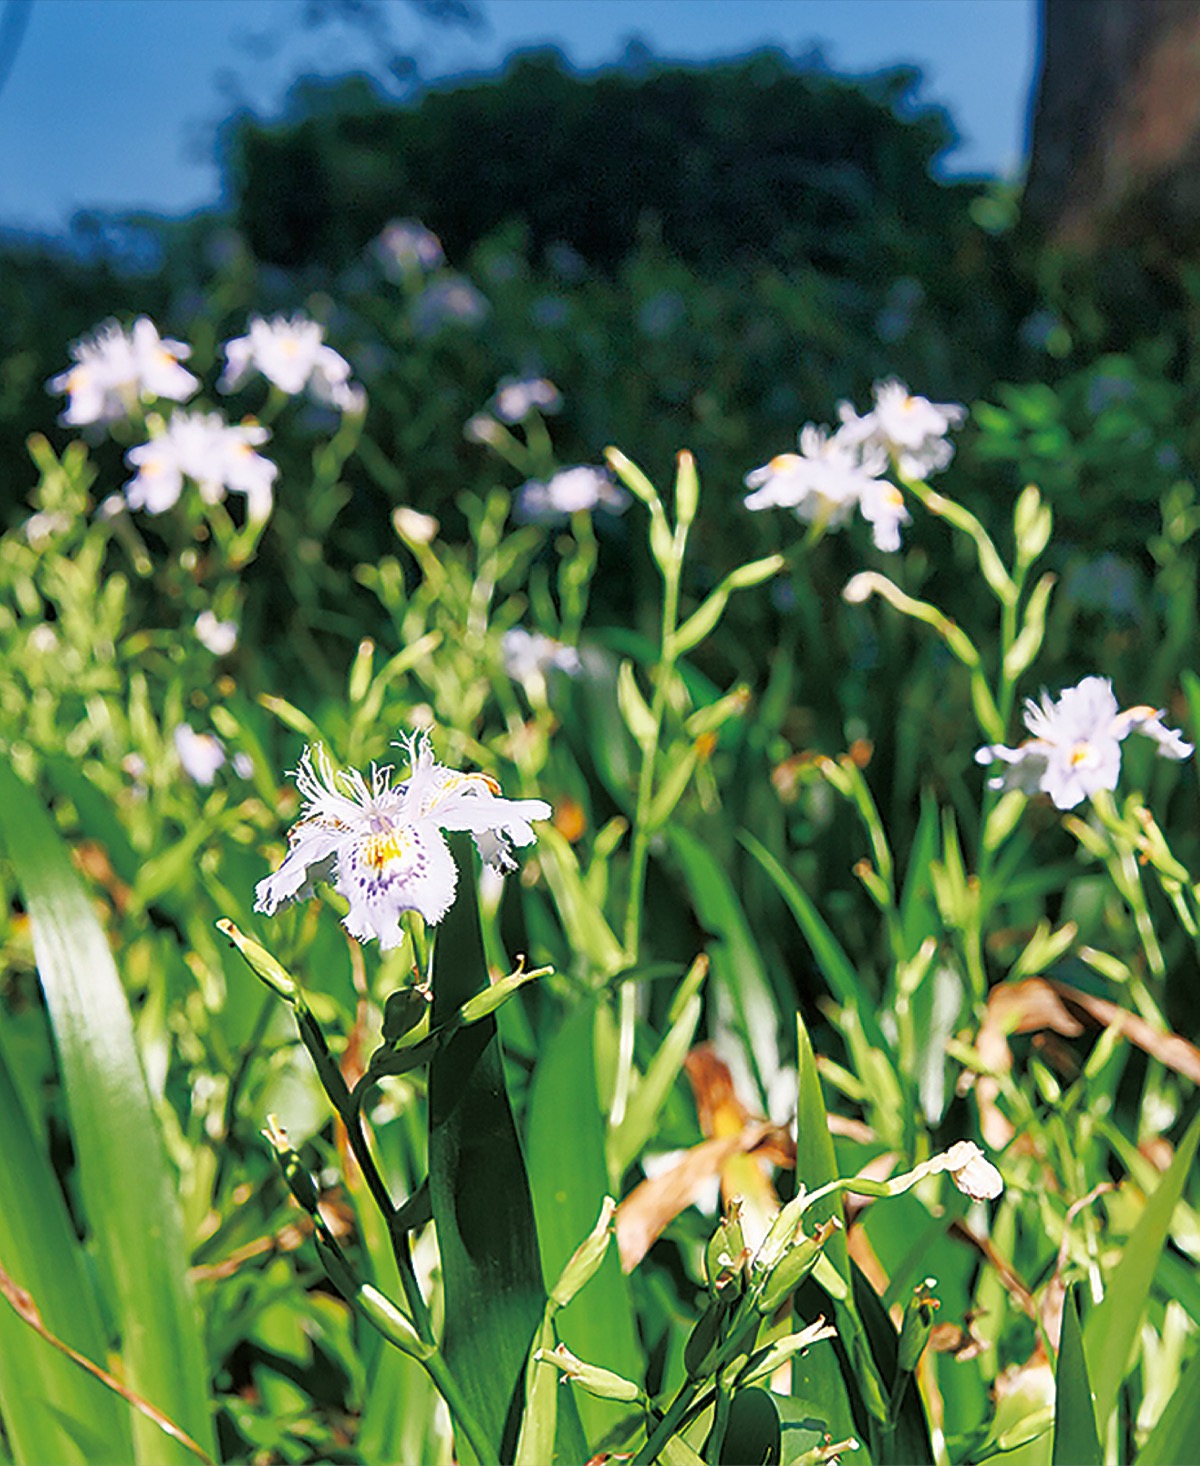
1116 132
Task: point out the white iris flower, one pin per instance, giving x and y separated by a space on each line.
115 368
529 655
380 845
517 397
291 354
202 446
1075 750
910 430
570 491
827 480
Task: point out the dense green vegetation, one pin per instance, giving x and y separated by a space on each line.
774 883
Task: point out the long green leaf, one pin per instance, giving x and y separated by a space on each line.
1075 1440
51 1409
1175 1436
128 1189
1112 1326
479 1190
837 969
569 1177
738 969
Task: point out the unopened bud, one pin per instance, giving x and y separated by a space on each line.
596 1381
261 962
299 1179
497 993
794 1266
585 1261
726 1251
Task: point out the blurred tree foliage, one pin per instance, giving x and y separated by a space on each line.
705 254
752 160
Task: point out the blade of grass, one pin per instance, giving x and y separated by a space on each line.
128 1188
737 965
1174 1437
836 968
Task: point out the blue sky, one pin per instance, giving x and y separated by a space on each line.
113 104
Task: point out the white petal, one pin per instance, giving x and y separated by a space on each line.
313 846
409 868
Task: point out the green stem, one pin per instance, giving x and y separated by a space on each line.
667 1426
397 1234
447 1387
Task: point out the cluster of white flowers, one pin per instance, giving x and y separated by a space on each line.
570 491
116 369
836 473
1075 750
381 844
203 447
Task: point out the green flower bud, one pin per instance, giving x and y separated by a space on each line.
585 1261
794 1266
260 961
596 1381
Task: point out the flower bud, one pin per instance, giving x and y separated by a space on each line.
483 1004
585 1261
261 962
726 1251
794 1266
299 1179
596 1381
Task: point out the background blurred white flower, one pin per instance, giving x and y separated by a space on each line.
826 481
405 245
292 355
200 754
114 369
220 637
910 430
202 446
568 492
517 397
530 654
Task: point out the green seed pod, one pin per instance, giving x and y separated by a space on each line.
726 1250
916 1327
